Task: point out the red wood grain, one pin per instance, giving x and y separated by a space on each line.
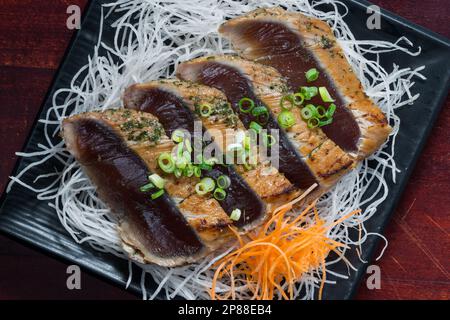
33 37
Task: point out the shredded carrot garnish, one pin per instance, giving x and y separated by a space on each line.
269 262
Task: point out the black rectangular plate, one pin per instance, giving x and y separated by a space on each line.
23 217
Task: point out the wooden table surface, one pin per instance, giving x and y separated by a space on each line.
33 37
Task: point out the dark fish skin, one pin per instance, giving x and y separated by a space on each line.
293 43
223 126
235 85
324 158
157 228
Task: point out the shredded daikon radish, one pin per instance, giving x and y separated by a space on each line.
151 38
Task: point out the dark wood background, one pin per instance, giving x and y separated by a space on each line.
33 37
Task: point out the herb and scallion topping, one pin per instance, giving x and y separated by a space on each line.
286 119
318 116
235 214
179 164
312 75
314 116
156 185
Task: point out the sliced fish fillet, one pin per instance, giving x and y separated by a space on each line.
293 43
224 126
164 101
325 159
118 149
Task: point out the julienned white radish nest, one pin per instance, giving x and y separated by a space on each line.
141 36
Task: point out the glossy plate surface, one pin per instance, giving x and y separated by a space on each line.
24 217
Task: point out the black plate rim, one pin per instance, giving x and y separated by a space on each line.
359 274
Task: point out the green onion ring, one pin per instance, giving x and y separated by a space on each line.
306 113
261 112
246 109
178 136
312 75
209 183
289 98
220 194
286 119
189 171
313 123
321 112
197 172
223 181
298 98
166 162
205 110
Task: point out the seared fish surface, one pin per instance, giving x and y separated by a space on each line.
293 43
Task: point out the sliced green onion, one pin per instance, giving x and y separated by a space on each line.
255 126
188 145
211 161
331 110
313 109
166 162
283 100
309 92
187 156
245 163
243 105
223 181
181 163
197 172
147 187
321 112
204 186
205 110
157 180
307 112
269 140
261 113
178 136
247 143
204 166
235 214
312 75
209 183
313 123
178 172
286 119
179 150
325 95
157 194
325 122
189 171
298 98
219 194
